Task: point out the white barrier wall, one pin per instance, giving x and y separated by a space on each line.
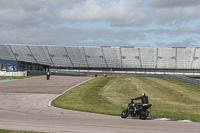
4 73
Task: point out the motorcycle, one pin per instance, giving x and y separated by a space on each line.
48 77
142 111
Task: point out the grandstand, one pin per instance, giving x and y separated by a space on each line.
104 57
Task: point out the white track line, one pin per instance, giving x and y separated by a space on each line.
50 102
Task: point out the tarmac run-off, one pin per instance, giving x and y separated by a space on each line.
24 106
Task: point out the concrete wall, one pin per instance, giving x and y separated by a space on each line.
55 73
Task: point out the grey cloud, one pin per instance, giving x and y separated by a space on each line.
112 43
122 13
161 44
174 31
54 22
175 15
25 13
173 3
68 35
35 4
133 13
174 11
185 43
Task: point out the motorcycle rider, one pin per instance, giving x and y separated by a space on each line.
48 74
144 100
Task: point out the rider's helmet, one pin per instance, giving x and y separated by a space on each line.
143 94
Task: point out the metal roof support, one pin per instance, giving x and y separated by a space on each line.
193 58
85 57
104 56
140 57
176 54
32 54
49 55
69 56
156 58
12 52
120 53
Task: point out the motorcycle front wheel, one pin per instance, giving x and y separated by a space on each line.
125 113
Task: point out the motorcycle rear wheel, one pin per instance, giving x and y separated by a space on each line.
143 114
125 113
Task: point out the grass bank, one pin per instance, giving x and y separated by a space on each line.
170 99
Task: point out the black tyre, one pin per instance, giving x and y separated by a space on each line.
143 114
125 113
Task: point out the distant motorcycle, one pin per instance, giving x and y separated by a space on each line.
142 112
48 77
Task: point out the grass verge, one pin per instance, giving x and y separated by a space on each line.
170 99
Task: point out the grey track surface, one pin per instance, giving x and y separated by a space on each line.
24 106
2 78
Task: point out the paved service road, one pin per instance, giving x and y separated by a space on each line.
24 106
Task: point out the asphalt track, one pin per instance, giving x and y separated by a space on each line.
24 106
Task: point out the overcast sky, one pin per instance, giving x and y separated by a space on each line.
139 23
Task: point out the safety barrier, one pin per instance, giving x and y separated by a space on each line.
66 73
20 73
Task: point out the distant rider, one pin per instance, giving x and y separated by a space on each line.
144 100
48 74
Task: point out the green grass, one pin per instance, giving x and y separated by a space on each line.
13 131
170 98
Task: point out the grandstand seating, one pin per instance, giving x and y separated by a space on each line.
22 53
59 56
5 53
103 56
130 57
112 57
166 58
77 56
95 57
148 57
196 59
184 57
40 53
